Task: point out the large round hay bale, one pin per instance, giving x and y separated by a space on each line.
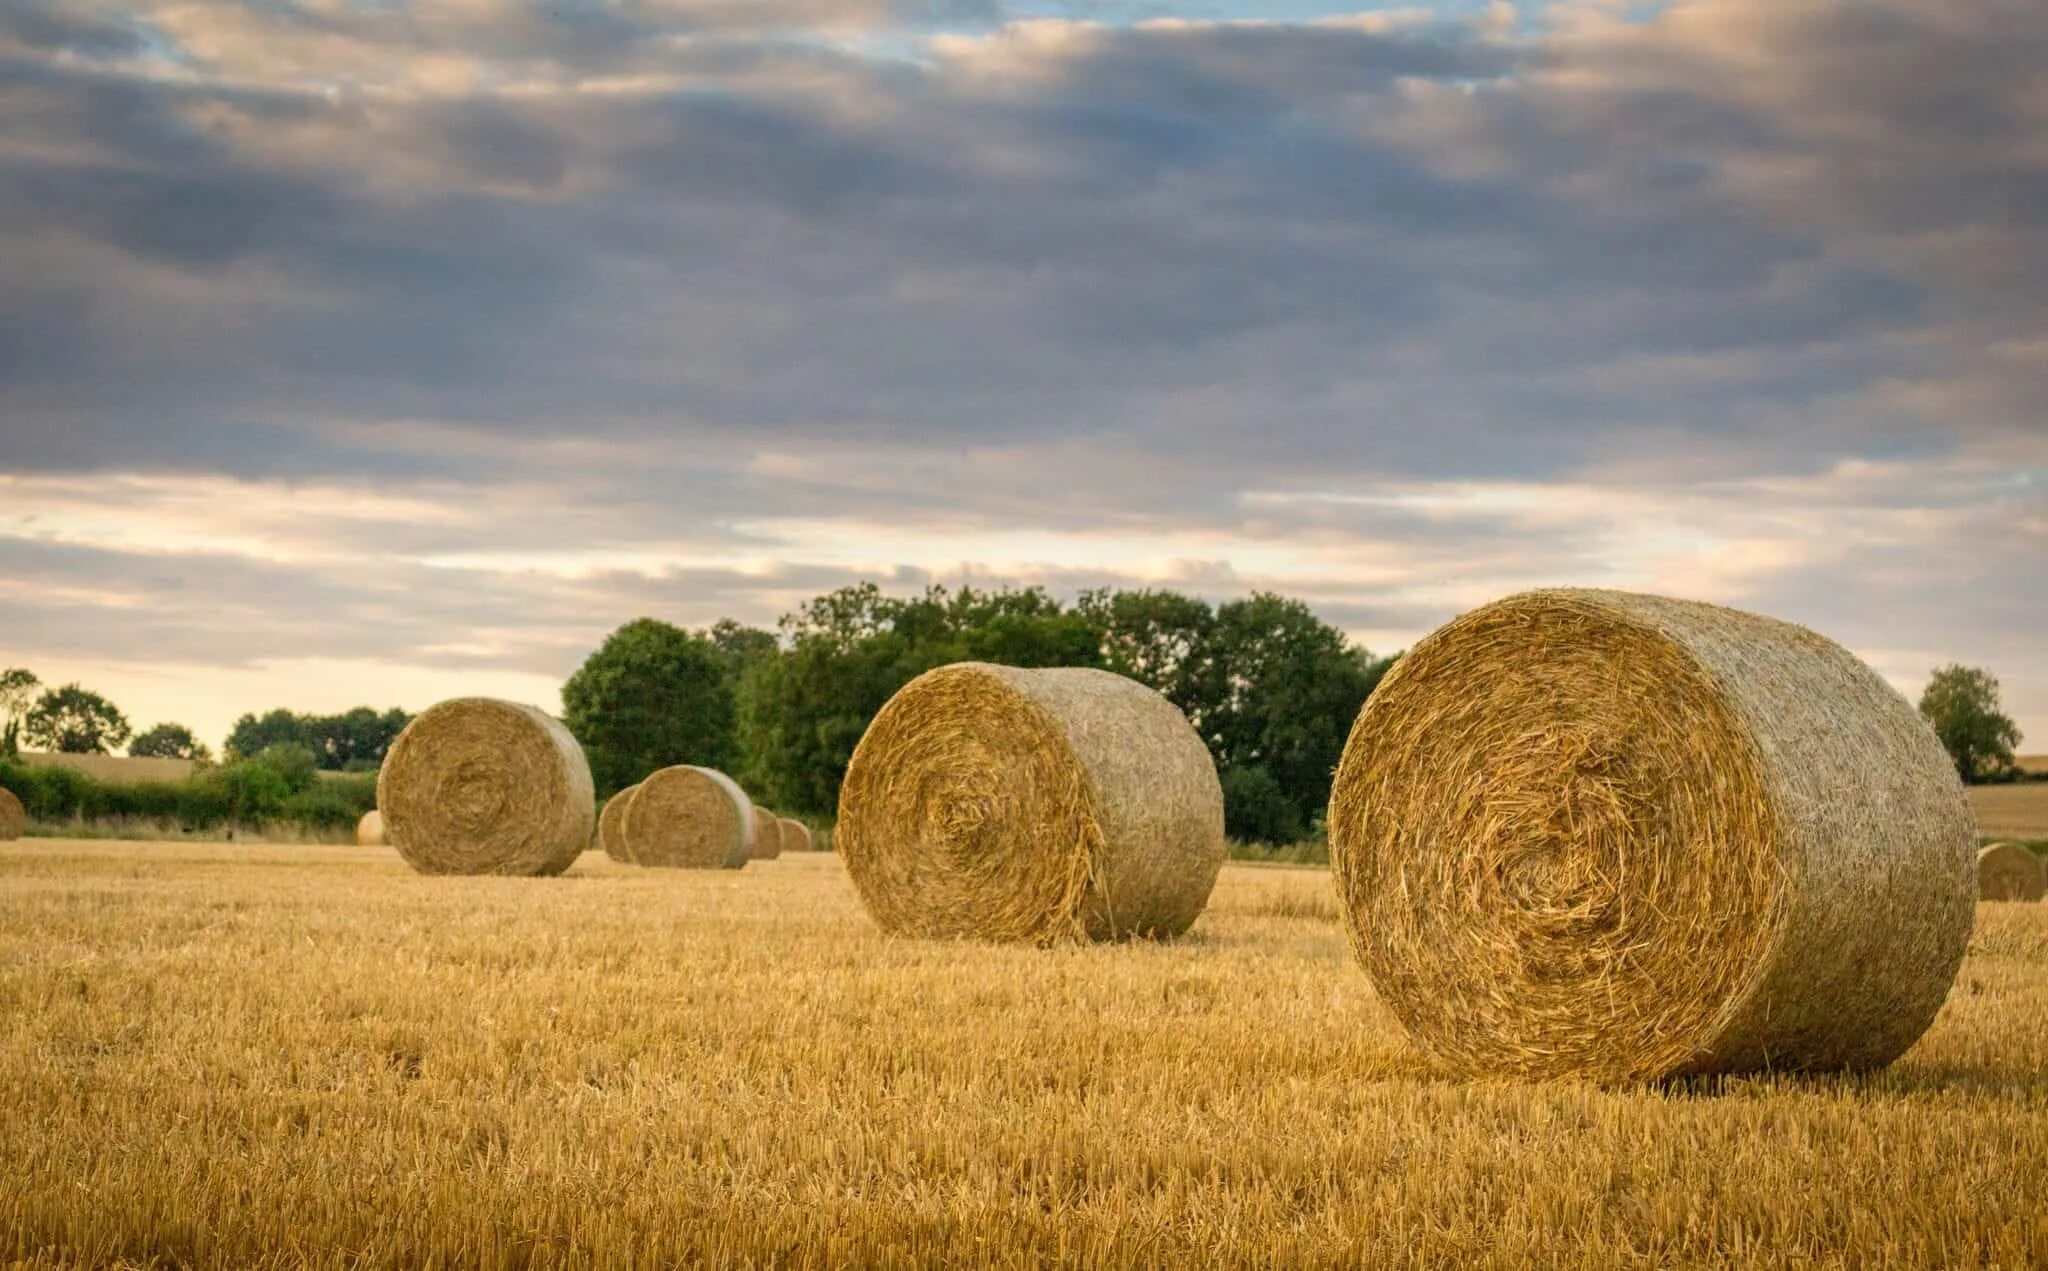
370 829
480 786
1031 805
767 835
687 817
13 817
795 835
1626 837
2007 871
611 826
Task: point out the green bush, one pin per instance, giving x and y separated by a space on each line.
279 785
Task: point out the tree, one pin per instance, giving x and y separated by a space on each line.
169 741
741 646
1158 638
802 713
18 687
1961 702
652 695
251 736
355 740
1279 691
76 721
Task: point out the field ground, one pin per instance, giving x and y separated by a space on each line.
2015 811
220 1053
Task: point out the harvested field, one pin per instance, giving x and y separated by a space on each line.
2015 811
605 1066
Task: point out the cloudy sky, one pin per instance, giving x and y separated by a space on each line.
372 351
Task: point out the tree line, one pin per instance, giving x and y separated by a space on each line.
1271 688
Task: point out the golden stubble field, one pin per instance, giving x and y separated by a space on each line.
2016 811
220 1054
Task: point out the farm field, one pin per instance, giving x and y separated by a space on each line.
2015 811
228 1053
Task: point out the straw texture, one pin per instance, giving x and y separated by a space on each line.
795 835
1625 837
1031 805
767 835
370 829
611 827
480 786
689 818
13 817
2007 871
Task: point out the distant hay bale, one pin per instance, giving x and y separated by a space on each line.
1625 837
479 786
795 835
2007 871
687 817
767 835
370 829
1033 806
611 826
13 817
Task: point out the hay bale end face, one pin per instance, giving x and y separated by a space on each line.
767 835
13 817
1031 805
2007 871
1624 837
480 786
611 827
687 817
370 829
795 835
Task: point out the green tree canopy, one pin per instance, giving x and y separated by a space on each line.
18 687
1961 702
801 713
650 696
76 721
354 740
168 741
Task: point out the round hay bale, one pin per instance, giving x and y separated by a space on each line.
2007 871
13 817
795 835
479 786
1625 837
687 817
611 826
1031 805
370 829
767 835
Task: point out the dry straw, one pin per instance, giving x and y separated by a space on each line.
2007 871
611 827
479 786
13 817
689 818
795 835
767 835
1031 805
370 829
1624 837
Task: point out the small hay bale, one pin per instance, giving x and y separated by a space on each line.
2007 871
687 817
767 835
1031 805
611 826
370 829
479 786
795 835
13 817
1622 837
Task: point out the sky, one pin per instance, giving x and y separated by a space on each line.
374 352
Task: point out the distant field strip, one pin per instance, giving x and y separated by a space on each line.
2016 811
219 1053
